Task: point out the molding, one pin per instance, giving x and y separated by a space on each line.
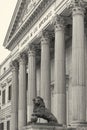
9 80
3 85
5 60
14 17
5 74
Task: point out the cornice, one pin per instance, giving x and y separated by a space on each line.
29 22
6 59
15 25
13 20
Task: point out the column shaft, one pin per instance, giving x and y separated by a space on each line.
14 99
78 66
60 88
45 69
22 112
31 81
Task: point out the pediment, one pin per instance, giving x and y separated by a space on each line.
22 10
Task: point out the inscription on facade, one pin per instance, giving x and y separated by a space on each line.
38 27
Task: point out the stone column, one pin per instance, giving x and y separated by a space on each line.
45 69
31 80
14 99
59 86
22 110
78 65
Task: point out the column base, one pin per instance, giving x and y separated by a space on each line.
44 126
77 123
78 126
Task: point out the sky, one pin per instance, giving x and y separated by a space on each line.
6 11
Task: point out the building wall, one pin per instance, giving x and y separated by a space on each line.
5 82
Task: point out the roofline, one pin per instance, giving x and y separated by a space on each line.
12 21
5 60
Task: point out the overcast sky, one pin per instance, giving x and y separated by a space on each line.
6 10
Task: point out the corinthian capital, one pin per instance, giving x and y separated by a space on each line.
14 65
77 6
78 3
45 36
23 58
31 50
58 22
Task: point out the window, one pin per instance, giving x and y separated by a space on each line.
3 97
8 125
9 93
2 126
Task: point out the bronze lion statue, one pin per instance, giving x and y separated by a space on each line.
40 111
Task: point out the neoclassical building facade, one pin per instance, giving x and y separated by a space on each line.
48 44
5 94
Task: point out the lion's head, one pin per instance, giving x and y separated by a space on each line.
38 102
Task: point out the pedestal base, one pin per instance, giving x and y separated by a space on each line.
43 126
78 125
77 128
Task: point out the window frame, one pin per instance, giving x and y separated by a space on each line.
9 92
8 125
3 96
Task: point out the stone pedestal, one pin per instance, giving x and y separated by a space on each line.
43 127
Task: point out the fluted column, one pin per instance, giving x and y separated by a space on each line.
14 99
45 69
22 110
78 65
31 80
59 86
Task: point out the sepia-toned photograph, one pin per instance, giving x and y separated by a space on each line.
43 65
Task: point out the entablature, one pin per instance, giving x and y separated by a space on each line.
29 21
32 16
